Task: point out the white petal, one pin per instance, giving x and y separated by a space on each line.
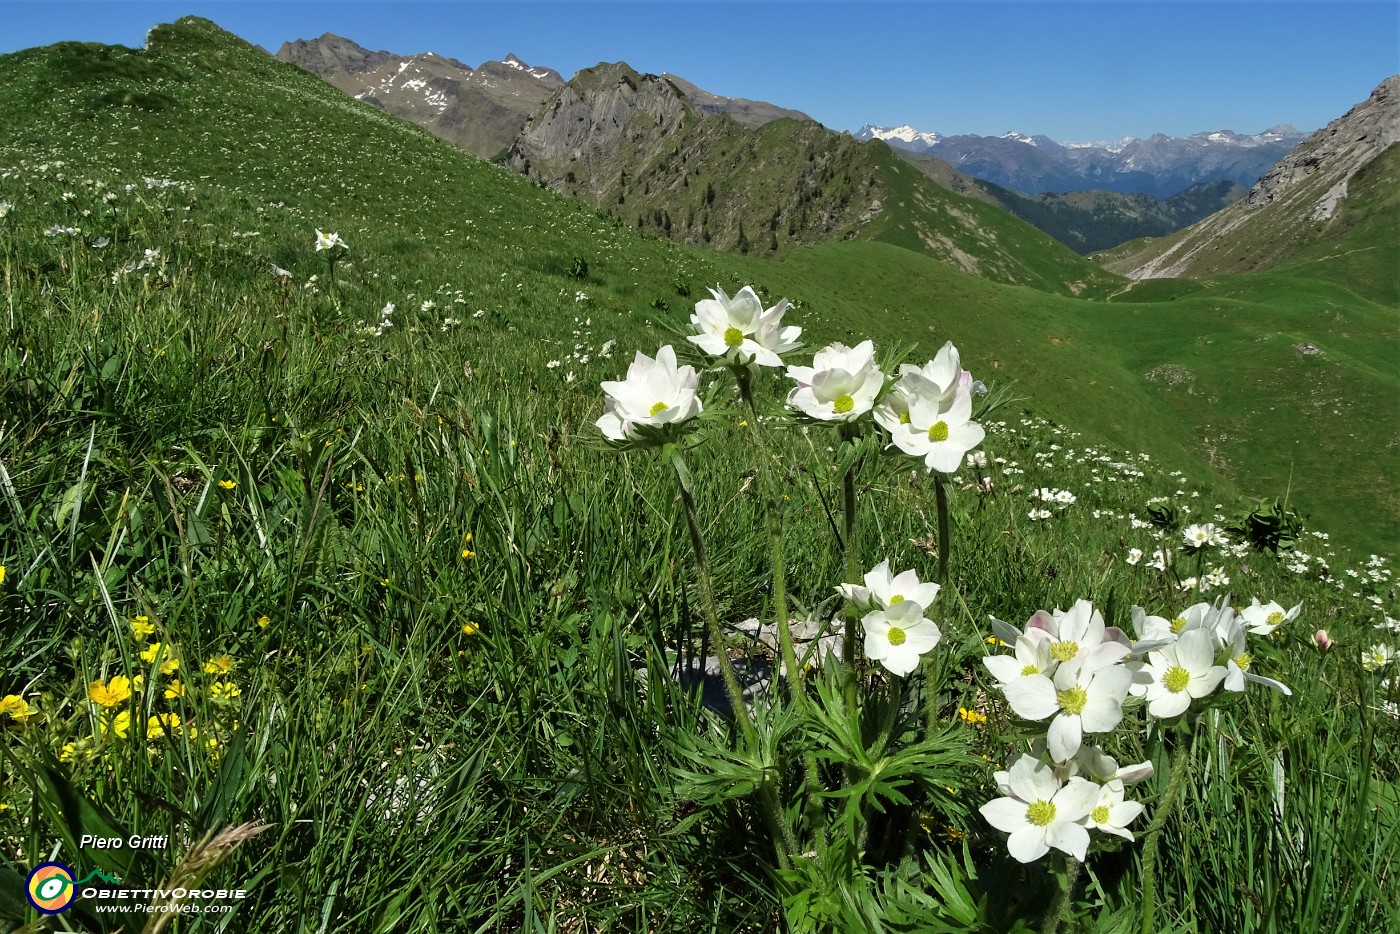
1032 697
1005 814
1028 844
1069 838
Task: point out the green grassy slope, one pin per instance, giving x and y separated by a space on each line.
208 109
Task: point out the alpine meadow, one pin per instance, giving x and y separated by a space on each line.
730 526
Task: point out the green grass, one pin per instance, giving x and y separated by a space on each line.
447 733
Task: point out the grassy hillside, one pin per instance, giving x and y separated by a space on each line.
410 594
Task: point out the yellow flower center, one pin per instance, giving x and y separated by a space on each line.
1243 661
844 403
904 418
1064 651
1040 813
897 636
1099 815
733 337
1275 619
1176 679
1030 670
1072 701
658 408
896 599
1178 624
939 432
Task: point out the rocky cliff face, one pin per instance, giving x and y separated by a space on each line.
1289 209
480 109
640 147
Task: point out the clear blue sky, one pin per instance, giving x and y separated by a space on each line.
1073 71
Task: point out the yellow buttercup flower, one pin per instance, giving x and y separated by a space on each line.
159 726
174 689
219 665
141 627
120 724
223 692
971 716
228 484
110 694
470 629
263 622
16 708
2 573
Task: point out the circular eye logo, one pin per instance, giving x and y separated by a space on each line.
50 888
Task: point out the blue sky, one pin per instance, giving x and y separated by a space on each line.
1073 71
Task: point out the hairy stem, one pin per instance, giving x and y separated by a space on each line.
1181 760
1064 898
933 673
707 598
853 576
773 517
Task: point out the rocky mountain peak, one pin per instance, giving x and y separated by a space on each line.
1338 150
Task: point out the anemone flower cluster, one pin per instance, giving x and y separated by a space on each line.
1070 668
1058 805
897 634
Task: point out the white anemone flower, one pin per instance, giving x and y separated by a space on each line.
329 241
883 590
944 371
655 394
740 330
923 423
1237 665
1040 813
1201 535
1264 618
897 636
1182 672
1081 698
1111 814
1032 658
840 385
1377 657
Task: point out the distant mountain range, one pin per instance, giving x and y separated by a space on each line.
1161 165
1336 197
615 137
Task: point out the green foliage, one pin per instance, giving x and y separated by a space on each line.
438 597
1270 526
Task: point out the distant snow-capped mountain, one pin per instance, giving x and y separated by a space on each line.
911 138
1160 165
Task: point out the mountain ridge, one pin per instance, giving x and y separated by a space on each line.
1159 165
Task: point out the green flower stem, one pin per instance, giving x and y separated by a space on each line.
853 576
933 673
1181 760
707 597
773 516
1064 899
